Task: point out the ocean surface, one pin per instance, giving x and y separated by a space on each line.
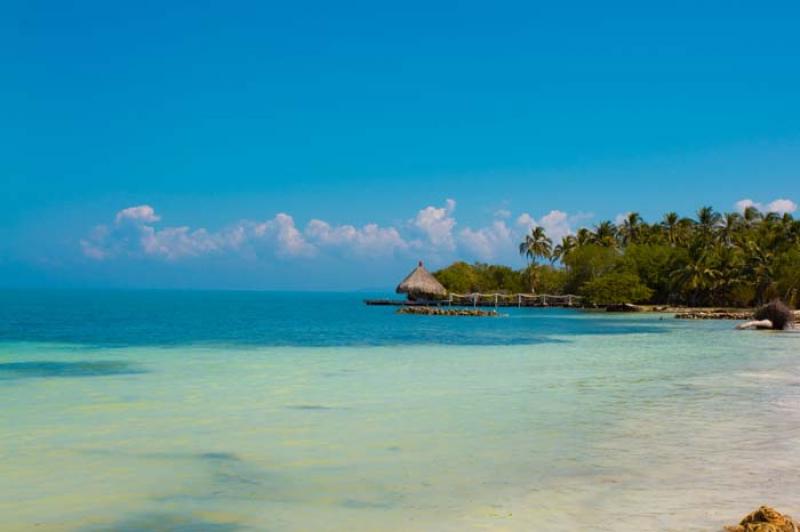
228 411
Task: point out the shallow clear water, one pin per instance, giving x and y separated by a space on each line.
262 411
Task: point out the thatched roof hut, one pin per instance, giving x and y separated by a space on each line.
420 284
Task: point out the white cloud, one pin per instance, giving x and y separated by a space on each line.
290 241
133 233
177 242
502 214
370 240
431 234
488 242
93 246
527 221
140 213
557 224
780 206
436 224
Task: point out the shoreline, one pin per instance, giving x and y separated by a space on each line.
697 313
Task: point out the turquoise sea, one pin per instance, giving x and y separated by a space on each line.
227 411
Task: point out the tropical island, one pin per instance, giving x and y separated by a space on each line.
712 259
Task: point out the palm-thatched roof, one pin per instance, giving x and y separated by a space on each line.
420 283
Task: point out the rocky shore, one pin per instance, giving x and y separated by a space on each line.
439 311
764 519
722 314
714 315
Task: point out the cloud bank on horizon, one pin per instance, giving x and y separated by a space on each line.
780 206
433 233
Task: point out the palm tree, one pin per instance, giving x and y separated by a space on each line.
562 250
696 277
791 228
760 267
718 259
605 234
584 236
629 231
686 227
707 220
536 245
752 215
670 225
728 261
729 227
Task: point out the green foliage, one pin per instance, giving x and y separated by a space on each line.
551 280
742 295
615 288
463 278
586 262
787 277
654 264
494 278
459 277
536 245
712 259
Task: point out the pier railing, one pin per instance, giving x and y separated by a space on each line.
493 299
497 299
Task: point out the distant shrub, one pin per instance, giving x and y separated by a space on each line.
616 288
459 278
463 278
550 280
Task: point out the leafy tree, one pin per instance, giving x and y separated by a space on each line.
616 287
495 278
585 263
463 278
671 227
459 277
707 220
654 264
551 280
562 250
536 245
712 259
631 228
787 277
605 235
760 266
697 277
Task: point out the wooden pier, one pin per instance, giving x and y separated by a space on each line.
487 300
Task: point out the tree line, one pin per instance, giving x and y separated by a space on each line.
711 259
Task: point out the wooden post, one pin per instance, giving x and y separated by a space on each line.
495 301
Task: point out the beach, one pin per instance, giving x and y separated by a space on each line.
293 411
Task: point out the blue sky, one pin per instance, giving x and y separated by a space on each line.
319 145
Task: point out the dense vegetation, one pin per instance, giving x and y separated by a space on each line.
718 259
